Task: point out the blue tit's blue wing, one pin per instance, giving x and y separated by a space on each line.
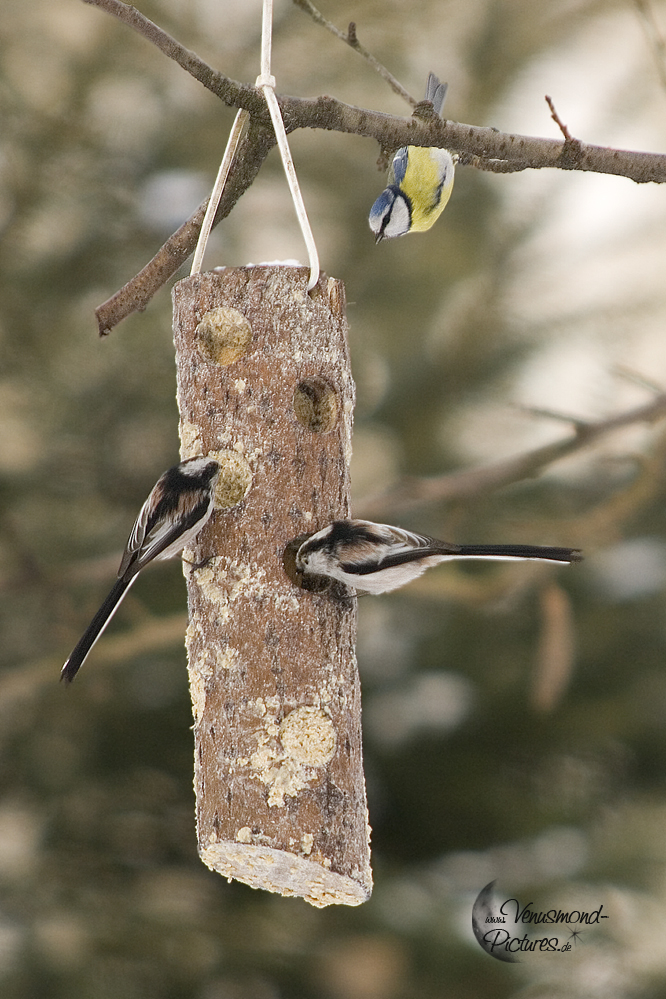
399 166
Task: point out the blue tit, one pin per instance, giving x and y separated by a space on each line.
420 182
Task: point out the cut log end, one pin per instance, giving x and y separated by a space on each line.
286 873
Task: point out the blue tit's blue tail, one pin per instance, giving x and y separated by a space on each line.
436 92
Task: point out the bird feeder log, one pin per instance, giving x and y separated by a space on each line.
265 386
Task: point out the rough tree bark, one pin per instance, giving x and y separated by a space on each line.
264 384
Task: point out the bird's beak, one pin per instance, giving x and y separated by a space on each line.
379 237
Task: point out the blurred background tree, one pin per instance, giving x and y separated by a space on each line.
514 715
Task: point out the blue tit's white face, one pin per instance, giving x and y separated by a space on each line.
390 215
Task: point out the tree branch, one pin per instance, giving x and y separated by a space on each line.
414 492
486 148
393 131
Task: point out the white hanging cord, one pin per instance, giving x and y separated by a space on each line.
267 83
218 188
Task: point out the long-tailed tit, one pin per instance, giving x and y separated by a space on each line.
180 503
377 558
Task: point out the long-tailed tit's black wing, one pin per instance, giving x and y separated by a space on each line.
178 506
95 628
501 553
362 546
357 541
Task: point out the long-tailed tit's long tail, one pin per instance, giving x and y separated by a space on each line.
95 628
508 552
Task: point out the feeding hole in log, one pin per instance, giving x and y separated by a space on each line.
224 335
235 479
315 584
316 405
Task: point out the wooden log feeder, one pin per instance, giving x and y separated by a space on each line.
265 386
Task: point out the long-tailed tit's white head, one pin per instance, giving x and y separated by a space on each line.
179 504
378 558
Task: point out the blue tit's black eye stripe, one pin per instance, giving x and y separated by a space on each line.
389 198
408 205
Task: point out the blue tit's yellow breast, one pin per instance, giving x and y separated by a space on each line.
427 182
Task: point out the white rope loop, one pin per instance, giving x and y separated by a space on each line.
292 180
218 188
265 82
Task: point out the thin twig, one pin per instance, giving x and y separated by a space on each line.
415 492
637 378
654 37
350 38
572 149
568 137
579 424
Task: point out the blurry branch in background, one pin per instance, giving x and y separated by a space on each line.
654 37
555 654
26 682
637 378
414 492
603 523
556 649
485 148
